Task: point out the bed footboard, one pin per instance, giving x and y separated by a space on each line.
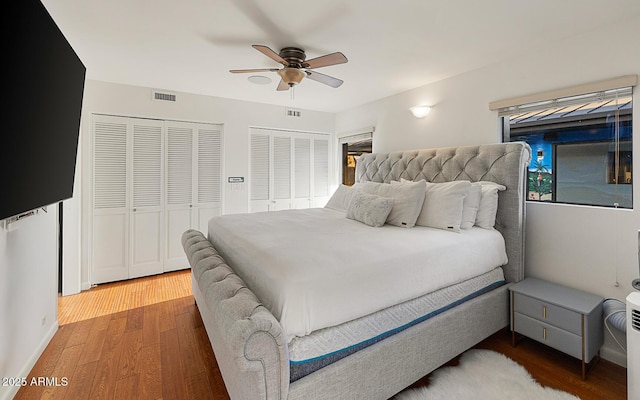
247 340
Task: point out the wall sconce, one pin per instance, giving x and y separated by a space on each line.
420 111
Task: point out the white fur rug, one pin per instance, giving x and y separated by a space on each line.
484 375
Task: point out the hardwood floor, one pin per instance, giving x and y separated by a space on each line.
156 348
125 295
549 367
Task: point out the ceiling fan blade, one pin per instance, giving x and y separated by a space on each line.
242 71
271 54
325 61
322 78
282 86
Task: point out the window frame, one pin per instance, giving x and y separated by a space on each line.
548 109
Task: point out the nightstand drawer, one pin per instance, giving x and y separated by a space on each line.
550 335
550 314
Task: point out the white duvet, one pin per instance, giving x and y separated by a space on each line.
315 268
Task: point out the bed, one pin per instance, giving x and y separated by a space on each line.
362 326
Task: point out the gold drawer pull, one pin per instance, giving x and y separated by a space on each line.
544 333
544 312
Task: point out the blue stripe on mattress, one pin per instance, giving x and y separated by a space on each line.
301 368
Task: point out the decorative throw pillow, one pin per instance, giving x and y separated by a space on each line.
369 208
486 217
470 206
443 205
341 198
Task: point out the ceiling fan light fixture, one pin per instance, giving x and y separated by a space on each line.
291 76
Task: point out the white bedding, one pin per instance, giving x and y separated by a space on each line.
314 268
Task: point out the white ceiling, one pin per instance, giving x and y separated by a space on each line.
392 45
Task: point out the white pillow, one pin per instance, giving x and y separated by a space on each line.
368 187
470 206
443 205
369 208
341 198
486 217
407 200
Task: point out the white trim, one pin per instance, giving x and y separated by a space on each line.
368 129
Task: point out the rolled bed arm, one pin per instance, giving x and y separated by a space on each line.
248 342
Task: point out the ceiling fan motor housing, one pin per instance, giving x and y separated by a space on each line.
293 55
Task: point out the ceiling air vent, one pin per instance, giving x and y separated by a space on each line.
163 96
293 113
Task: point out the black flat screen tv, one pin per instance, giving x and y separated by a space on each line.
46 84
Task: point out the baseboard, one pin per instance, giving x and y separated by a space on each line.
85 286
12 390
615 355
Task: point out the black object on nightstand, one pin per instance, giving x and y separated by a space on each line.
566 319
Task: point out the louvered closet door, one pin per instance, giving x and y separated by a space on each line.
281 198
194 183
180 213
302 172
152 180
209 191
288 169
260 170
147 222
109 241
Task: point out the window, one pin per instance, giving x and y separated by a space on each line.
581 146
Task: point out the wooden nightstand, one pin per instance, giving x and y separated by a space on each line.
566 319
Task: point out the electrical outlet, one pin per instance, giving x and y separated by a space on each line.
44 320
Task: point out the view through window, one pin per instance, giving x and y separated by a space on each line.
582 147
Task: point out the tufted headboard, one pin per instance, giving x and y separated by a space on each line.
504 163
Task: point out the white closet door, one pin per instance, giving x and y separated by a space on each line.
209 175
281 198
110 224
302 172
194 183
180 184
288 170
320 172
147 224
152 180
260 169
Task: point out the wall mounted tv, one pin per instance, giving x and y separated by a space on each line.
46 84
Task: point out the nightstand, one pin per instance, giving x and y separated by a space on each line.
566 319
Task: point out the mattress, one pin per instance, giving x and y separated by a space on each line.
315 268
323 347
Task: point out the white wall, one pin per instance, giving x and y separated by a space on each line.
589 248
236 117
28 293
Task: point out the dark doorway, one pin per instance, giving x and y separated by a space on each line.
350 154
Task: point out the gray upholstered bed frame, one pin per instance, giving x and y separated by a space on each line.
249 344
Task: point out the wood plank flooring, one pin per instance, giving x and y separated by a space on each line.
549 367
160 350
125 295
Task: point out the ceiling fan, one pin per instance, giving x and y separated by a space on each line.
297 67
